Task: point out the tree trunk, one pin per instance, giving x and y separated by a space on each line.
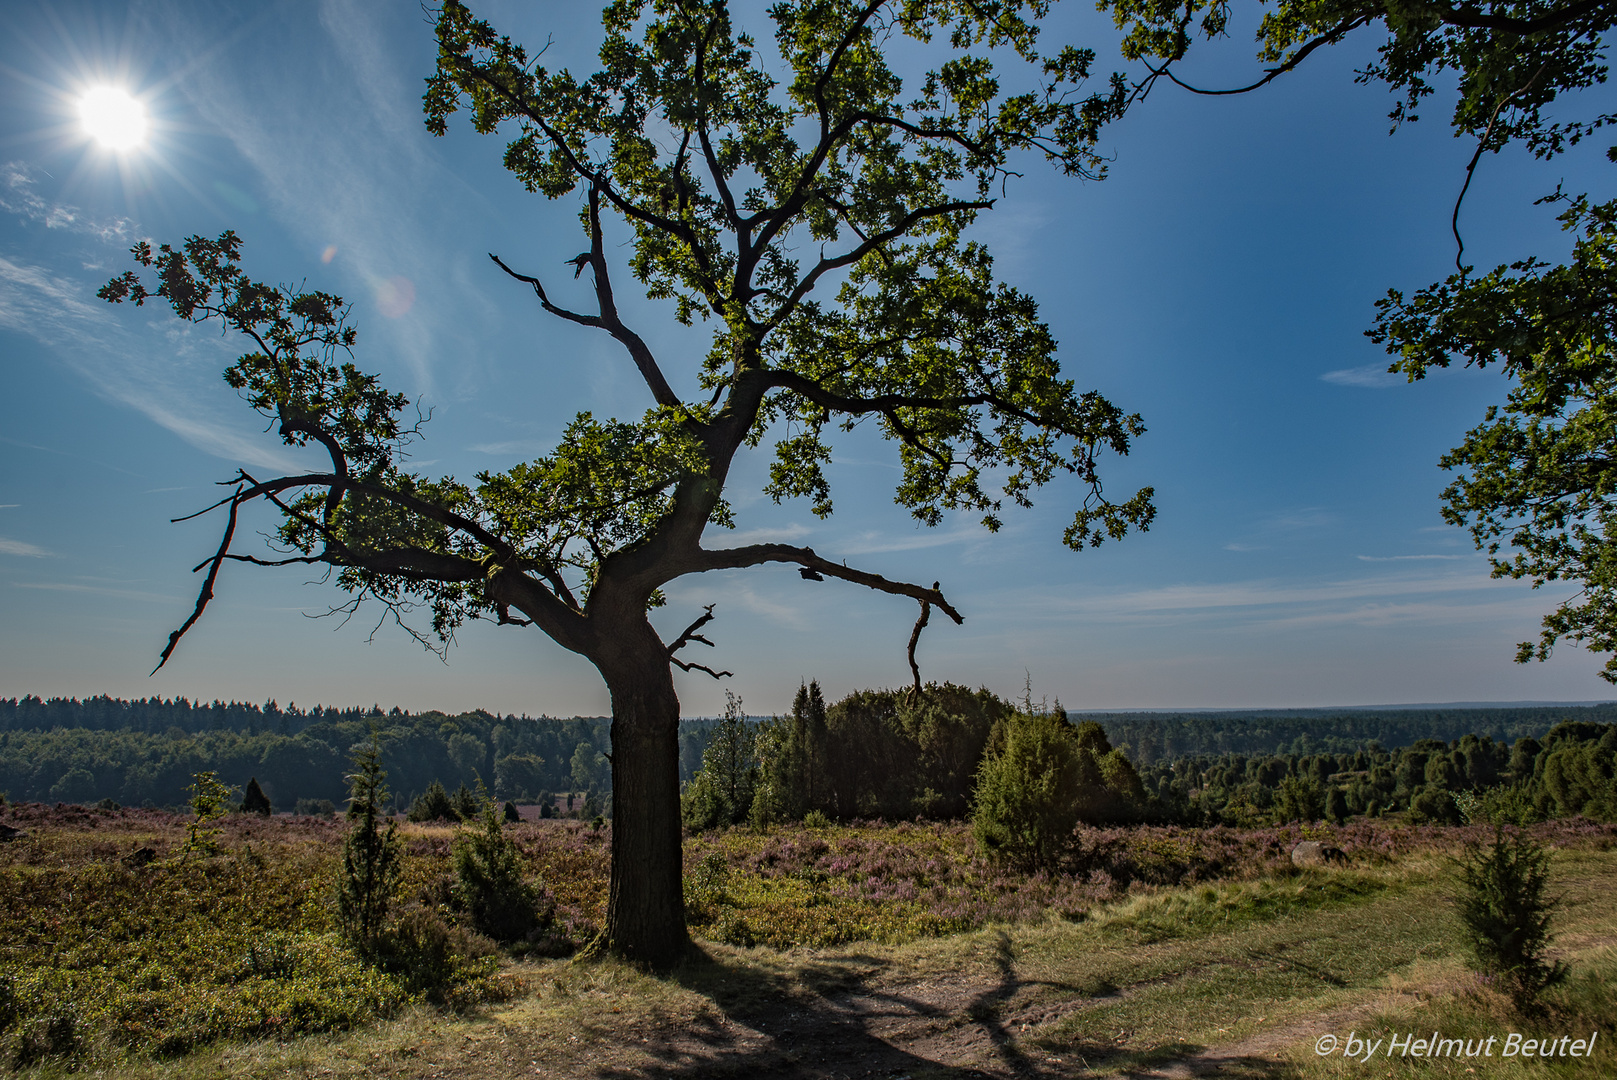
645 917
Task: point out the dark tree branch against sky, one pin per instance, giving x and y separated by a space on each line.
1536 481
810 214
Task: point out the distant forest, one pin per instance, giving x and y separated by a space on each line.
145 752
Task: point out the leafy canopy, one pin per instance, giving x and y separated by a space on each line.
798 198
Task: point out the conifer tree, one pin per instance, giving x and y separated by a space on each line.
372 855
254 801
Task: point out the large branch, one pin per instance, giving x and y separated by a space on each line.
1329 37
758 554
597 179
887 403
1473 19
608 320
876 240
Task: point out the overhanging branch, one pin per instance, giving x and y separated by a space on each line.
758 554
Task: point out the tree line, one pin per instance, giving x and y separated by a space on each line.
950 752
145 753
874 754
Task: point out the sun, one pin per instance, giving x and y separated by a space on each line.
113 118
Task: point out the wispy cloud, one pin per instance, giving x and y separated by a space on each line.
1407 558
359 184
874 543
525 447
784 534
97 590
18 547
19 195
1368 377
726 590
156 374
1456 597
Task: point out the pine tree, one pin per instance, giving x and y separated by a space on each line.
372 855
254 801
721 792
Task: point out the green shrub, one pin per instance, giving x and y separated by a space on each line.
1504 914
1434 804
434 958
1026 799
254 801
314 808
433 805
815 819
1299 799
465 804
511 815
208 800
372 855
488 882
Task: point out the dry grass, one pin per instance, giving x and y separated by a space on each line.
1239 975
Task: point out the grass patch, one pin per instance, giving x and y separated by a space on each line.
857 949
1214 908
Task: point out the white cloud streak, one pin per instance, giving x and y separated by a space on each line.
1457 598
155 375
94 590
1368 377
1408 558
357 177
18 547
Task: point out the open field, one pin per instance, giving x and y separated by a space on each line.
1170 952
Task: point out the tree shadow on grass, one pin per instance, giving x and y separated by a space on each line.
824 1018
844 1018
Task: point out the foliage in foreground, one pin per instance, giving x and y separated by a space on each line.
372 856
1505 914
108 957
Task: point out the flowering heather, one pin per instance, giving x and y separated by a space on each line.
116 941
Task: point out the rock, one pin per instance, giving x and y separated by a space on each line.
1314 853
8 833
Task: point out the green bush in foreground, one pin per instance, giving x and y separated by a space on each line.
489 885
1505 915
1026 797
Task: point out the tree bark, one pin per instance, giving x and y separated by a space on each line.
645 917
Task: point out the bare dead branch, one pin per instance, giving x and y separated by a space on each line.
915 638
757 554
691 634
1471 166
683 666
1329 37
206 593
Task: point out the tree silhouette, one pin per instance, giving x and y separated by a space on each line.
727 162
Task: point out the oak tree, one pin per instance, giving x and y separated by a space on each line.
807 205
1535 481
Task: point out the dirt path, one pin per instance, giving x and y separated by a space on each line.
949 1026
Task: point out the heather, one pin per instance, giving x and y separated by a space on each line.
119 942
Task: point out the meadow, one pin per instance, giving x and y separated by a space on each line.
828 951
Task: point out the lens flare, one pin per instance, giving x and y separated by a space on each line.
395 297
113 118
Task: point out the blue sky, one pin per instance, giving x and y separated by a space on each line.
1218 282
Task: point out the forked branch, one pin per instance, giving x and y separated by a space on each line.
689 636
